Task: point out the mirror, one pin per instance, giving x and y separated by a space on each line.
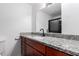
49 11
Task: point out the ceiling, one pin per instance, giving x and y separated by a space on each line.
53 10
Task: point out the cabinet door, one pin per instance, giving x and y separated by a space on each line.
32 52
54 52
23 49
29 50
36 53
23 46
36 45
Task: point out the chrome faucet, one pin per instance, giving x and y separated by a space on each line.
43 34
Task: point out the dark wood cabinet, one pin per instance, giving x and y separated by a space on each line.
22 47
54 52
30 47
29 51
36 45
36 53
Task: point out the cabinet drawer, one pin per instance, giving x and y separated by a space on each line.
36 45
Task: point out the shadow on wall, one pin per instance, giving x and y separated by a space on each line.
17 49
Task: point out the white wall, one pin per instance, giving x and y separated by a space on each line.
42 21
70 18
35 9
14 18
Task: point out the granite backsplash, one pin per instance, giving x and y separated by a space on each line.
57 35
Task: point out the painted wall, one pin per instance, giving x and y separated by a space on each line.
14 18
35 9
70 18
42 21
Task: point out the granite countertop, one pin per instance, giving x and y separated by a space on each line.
68 46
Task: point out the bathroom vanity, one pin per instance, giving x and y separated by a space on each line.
32 45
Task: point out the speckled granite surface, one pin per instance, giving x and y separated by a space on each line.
59 35
65 43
